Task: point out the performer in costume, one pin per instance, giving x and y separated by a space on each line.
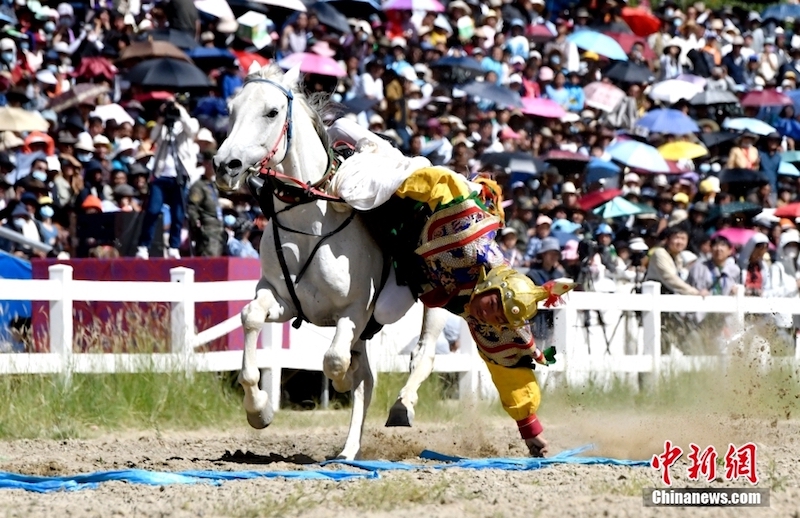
439 229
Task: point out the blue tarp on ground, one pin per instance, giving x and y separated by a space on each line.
13 268
370 467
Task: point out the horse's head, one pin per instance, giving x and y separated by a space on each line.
260 124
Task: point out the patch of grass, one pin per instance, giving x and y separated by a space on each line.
302 498
775 481
622 487
44 406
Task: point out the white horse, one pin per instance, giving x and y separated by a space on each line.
274 127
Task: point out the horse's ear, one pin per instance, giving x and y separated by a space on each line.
291 77
255 67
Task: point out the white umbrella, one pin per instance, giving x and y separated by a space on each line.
748 124
219 9
294 5
673 90
19 120
113 111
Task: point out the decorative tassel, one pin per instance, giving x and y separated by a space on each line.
555 290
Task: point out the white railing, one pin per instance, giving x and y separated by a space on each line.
636 350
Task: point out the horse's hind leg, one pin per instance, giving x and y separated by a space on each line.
260 310
363 384
433 322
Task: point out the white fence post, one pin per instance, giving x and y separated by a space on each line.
182 314
651 323
469 382
565 321
61 324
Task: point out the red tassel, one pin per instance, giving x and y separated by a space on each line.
552 298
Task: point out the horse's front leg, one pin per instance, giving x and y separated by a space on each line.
433 322
264 308
363 384
336 363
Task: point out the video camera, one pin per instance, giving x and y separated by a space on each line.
171 113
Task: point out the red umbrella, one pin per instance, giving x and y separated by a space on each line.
641 22
627 41
792 210
97 66
597 198
540 33
155 95
769 97
246 59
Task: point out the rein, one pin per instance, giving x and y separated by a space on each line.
293 192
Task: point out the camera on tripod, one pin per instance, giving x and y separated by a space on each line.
171 113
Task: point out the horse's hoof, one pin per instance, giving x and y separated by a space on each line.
259 420
399 415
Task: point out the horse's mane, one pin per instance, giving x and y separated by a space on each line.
316 105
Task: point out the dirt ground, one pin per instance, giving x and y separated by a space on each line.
563 490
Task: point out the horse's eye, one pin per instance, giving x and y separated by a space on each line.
273 113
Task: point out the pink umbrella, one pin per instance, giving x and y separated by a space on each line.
695 80
413 5
603 96
769 97
313 64
737 236
541 107
539 33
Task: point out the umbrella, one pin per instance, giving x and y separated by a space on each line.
598 169
19 120
208 58
682 151
602 96
742 176
598 43
638 155
619 207
541 107
292 5
92 67
141 50
716 138
540 33
516 162
560 155
78 94
791 156
168 74
695 80
113 111
737 236
671 122
246 59
710 97
641 22
564 237
792 210
781 12
787 169
736 207
673 90
313 64
330 17
413 5
627 40
771 97
464 63
180 39
356 8
216 8
596 198
492 92
748 124
627 72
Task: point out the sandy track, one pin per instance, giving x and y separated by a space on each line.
559 491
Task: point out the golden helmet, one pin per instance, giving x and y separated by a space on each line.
519 294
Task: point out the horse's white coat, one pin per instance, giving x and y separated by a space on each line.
339 286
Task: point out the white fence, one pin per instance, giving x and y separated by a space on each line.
584 350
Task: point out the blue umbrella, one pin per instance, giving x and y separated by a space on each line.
598 169
638 155
748 124
781 12
599 43
494 93
619 207
211 57
464 63
787 169
671 122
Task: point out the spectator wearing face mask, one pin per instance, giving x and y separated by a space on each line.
123 157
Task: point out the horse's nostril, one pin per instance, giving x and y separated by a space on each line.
234 164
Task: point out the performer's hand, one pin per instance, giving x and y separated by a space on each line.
537 446
548 357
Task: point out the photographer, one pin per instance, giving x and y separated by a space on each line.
175 156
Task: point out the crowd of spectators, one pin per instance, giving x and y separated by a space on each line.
501 88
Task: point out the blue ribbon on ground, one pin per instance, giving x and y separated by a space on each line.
371 468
